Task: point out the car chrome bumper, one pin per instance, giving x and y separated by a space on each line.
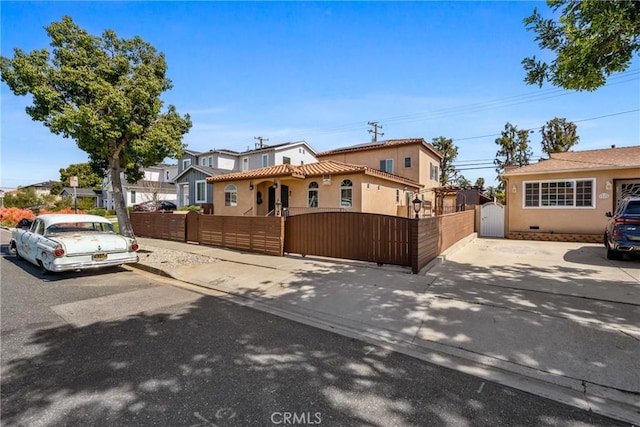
87 265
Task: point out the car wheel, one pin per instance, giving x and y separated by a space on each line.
14 248
43 269
614 255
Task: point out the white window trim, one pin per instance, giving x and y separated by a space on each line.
186 163
229 189
265 157
574 180
385 165
245 162
205 191
346 187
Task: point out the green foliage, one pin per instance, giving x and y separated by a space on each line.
195 208
514 148
449 153
87 177
590 40
103 92
463 182
24 199
558 135
97 211
479 182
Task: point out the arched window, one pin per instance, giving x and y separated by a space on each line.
346 194
312 199
231 195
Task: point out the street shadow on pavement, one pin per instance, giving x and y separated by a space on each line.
214 363
590 255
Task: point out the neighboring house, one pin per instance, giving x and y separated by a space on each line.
195 167
313 187
451 198
567 196
157 184
84 193
413 159
41 188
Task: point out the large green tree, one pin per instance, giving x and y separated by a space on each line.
558 135
514 148
449 153
87 177
591 39
103 92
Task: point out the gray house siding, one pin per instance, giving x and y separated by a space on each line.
191 178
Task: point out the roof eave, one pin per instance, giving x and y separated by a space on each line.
547 172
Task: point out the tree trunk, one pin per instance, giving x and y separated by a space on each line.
118 198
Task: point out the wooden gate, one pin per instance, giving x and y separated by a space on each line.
350 235
193 226
492 220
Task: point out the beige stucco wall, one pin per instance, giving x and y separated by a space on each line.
370 194
564 219
420 159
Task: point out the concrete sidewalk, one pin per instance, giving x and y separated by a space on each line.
553 319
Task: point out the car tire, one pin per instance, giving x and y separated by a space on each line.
43 269
614 255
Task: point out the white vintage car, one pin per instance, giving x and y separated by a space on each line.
62 242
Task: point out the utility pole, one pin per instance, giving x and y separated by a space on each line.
375 132
261 143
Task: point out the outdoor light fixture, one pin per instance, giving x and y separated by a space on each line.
514 188
417 205
251 185
275 185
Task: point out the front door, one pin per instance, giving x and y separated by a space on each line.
284 196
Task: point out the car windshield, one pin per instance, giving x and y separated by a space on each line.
80 227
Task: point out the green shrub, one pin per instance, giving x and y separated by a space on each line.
111 212
97 211
190 208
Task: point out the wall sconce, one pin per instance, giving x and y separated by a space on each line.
251 185
514 188
608 185
275 185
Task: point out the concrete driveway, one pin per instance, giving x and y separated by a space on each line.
555 311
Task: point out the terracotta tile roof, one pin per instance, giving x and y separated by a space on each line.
608 158
325 167
382 144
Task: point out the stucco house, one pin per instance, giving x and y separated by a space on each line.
194 168
412 158
567 196
157 184
41 188
328 185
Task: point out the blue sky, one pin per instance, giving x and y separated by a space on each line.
320 71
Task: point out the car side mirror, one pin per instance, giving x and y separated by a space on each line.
608 214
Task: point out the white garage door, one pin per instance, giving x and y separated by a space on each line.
492 220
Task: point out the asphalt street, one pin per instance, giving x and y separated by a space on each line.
119 348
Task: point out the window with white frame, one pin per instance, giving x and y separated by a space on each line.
133 197
433 172
286 160
386 165
265 160
186 163
203 161
231 195
312 199
201 191
578 193
210 161
346 194
245 164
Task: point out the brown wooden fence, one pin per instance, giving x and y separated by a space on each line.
248 233
159 225
255 234
348 235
